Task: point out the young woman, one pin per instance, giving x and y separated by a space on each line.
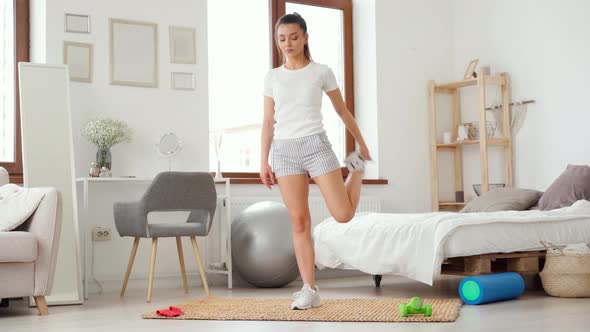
293 126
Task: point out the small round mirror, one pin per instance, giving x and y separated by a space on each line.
168 146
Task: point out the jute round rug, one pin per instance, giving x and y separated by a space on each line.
332 310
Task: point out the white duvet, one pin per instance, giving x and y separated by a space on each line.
411 245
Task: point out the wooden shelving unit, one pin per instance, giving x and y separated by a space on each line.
456 147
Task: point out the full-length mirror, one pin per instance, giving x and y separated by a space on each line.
48 162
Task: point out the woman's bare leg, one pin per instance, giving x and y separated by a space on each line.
342 198
295 191
353 184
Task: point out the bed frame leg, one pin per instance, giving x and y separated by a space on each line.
377 279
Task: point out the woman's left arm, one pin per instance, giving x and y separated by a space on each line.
349 121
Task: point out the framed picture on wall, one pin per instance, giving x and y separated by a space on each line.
133 53
77 23
183 45
183 81
78 58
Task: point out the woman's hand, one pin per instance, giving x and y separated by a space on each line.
267 176
364 151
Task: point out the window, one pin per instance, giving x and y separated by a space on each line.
327 47
241 51
239 57
14 47
7 110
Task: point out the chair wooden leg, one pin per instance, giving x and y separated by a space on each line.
182 269
201 270
41 305
129 265
152 266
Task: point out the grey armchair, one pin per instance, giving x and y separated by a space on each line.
170 191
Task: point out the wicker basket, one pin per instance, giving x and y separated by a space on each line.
566 274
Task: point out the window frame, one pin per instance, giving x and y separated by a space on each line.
21 48
277 9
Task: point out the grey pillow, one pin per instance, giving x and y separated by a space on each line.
572 185
503 199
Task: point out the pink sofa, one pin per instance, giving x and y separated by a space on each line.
28 254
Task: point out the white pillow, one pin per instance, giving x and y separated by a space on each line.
17 204
4 179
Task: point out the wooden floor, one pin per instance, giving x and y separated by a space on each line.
107 312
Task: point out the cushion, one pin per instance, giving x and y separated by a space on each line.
4 179
17 247
17 204
503 199
196 225
571 186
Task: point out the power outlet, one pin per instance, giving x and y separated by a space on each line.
101 234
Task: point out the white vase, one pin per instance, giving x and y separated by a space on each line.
218 173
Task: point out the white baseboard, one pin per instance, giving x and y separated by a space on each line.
113 284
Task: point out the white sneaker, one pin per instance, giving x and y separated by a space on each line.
306 298
354 162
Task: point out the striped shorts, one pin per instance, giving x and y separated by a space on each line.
312 154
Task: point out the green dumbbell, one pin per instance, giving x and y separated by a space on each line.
415 307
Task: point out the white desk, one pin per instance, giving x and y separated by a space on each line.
224 267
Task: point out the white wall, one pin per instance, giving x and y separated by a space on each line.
414 45
365 78
38 36
543 45
150 112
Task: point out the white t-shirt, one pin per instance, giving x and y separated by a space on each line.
298 98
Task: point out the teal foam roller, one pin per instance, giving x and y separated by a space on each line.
491 288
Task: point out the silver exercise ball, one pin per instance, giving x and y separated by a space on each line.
262 245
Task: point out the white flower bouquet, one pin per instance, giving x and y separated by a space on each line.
104 132
215 139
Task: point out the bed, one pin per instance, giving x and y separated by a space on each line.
418 245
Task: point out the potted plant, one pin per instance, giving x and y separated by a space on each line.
104 133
